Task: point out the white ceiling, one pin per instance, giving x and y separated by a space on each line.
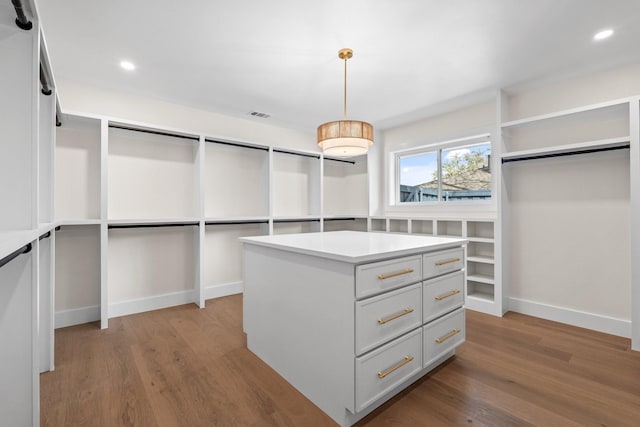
280 57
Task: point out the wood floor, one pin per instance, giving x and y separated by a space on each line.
189 367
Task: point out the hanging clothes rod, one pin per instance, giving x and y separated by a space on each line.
23 250
45 236
338 219
154 132
237 144
159 225
340 160
21 21
257 221
46 89
279 221
313 156
568 153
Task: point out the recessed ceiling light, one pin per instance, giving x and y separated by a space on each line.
127 65
603 34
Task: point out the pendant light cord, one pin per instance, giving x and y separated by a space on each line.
345 88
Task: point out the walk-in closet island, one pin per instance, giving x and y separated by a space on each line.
351 318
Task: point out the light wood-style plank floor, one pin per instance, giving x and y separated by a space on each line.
184 366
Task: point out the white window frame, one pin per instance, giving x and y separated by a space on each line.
439 205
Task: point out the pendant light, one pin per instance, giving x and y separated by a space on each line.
345 138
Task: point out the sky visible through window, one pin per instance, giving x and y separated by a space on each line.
418 169
466 174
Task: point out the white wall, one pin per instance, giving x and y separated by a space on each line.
465 122
584 90
569 235
87 99
77 274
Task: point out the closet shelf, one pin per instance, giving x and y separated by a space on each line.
10 241
482 259
602 144
480 278
563 113
79 222
481 239
483 296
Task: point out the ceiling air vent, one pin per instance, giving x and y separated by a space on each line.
259 114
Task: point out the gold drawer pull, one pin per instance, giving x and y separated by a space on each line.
447 295
449 335
397 273
406 360
447 261
395 316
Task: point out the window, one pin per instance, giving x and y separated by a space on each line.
449 173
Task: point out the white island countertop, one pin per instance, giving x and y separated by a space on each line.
355 246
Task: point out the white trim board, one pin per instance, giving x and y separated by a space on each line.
156 302
77 316
582 319
223 290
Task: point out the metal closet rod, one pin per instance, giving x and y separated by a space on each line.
568 153
340 160
46 89
236 222
23 250
21 21
159 225
236 144
338 219
154 132
280 221
313 156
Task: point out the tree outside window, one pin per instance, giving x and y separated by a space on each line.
465 173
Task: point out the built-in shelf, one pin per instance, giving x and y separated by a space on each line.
481 239
481 278
483 259
79 222
564 113
11 241
484 296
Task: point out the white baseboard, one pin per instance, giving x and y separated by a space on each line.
223 290
156 302
82 315
77 316
583 319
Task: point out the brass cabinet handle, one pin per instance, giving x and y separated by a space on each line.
447 261
397 273
447 295
395 316
449 335
406 360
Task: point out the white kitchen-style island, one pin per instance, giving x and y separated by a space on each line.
351 318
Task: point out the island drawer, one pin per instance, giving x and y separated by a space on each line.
378 277
442 335
442 295
383 369
438 263
381 318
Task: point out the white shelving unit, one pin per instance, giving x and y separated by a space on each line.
166 207
27 247
483 280
602 140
